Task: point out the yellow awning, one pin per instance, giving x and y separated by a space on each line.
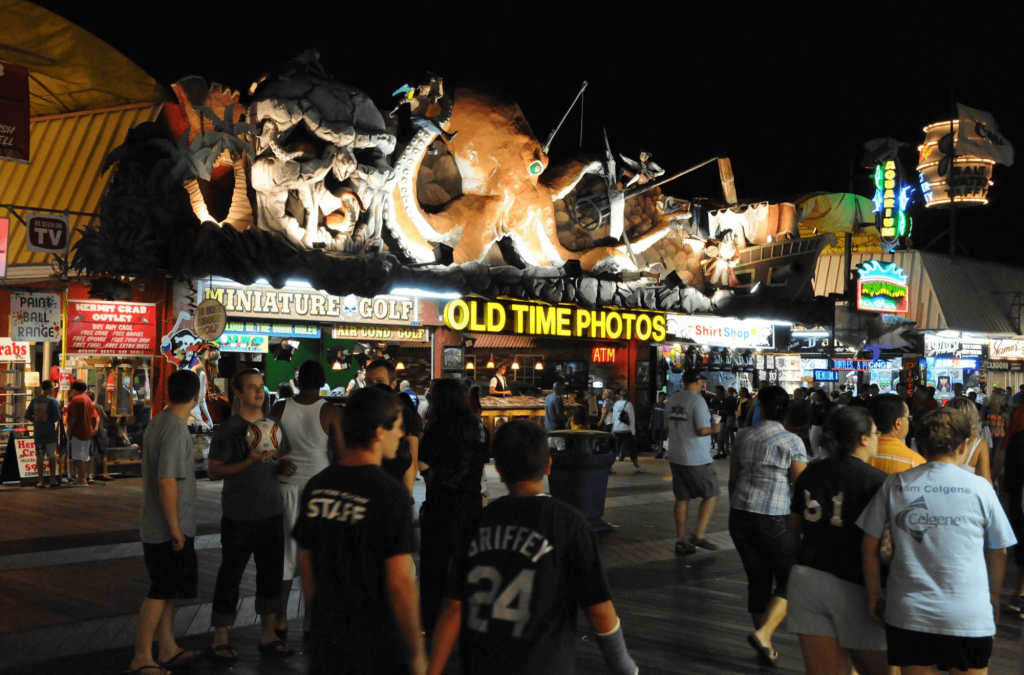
68 152
70 69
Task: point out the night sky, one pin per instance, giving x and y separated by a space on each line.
790 100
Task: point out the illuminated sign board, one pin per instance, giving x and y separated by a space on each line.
826 376
275 329
523 318
603 355
958 346
882 288
716 331
864 364
891 199
1006 349
966 364
347 331
970 178
243 344
269 305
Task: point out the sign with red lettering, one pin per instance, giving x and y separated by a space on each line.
111 328
28 466
1006 349
603 355
14 113
13 351
47 233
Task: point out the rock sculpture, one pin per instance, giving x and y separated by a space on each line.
321 173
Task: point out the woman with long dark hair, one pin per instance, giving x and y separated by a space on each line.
452 454
767 458
828 605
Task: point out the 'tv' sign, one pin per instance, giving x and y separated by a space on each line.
48 233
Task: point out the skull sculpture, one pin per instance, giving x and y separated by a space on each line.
321 173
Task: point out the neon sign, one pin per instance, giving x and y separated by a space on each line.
851 364
522 318
882 288
826 376
891 200
603 355
966 364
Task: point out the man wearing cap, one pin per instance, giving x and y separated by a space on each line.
689 454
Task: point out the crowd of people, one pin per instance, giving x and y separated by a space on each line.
71 442
865 543
881 555
325 494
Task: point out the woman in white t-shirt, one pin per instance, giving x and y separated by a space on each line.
949 540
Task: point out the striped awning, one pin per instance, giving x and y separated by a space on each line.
68 152
492 341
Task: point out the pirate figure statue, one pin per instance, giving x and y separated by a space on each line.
643 171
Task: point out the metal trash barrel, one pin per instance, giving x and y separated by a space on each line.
579 472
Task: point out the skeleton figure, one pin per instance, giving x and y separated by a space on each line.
321 173
643 171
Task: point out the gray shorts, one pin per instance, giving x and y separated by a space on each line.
823 604
694 482
47 449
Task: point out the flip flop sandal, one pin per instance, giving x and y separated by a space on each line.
182 660
221 655
39 486
764 654
281 633
142 670
272 649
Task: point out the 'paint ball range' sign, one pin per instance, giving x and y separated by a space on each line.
882 288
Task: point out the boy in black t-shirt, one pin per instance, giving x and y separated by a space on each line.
514 592
355 541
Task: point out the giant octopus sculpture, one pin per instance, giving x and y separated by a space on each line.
508 188
321 173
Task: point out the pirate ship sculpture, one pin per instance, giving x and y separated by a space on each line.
451 191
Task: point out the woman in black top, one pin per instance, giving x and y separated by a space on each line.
828 606
454 451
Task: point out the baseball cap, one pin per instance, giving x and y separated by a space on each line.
692 375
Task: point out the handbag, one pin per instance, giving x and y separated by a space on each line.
624 416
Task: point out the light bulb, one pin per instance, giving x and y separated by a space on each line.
539 366
470 366
337 366
515 365
399 366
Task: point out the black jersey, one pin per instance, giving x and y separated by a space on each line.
530 566
830 496
352 519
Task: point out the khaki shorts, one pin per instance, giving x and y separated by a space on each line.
694 482
823 604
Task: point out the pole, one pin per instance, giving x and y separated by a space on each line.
547 144
651 186
953 116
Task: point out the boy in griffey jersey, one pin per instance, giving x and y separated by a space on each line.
516 586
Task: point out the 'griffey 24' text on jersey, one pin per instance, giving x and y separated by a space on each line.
529 567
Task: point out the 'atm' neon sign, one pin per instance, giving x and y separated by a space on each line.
603 355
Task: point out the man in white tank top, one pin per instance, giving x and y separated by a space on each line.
313 428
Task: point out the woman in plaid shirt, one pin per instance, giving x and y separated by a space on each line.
765 461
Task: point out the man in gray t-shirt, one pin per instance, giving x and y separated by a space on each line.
251 524
689 454
167 526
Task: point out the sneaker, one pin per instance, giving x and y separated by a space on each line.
611 469
703 543
639 469
1016 603
683 548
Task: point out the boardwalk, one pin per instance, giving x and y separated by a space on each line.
72 578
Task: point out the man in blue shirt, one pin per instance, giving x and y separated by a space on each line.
44 413
689 454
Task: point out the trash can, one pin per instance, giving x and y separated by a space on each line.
579 472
